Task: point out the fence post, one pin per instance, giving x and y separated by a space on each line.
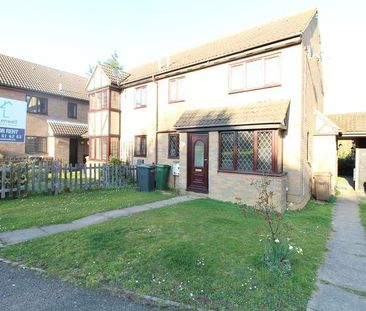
19 173
40 176
11 188
3 177
26 178
75 168
70 176
33 176
46 176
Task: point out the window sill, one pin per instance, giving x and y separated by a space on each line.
41 113
173 158
72 117
139 107
254 89
98 109
270 174
173 101
139 156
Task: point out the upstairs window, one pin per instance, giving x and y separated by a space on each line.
140 97
250 151
99 100
176 90
72 110
173 146
140 146
37 104
255 74
115 100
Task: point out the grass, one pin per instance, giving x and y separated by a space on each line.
363 212
205 253
40 210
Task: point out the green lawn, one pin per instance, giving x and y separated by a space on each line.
203 252
363 213
39 210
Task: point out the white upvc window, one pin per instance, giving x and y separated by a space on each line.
140 97
176 90
255 74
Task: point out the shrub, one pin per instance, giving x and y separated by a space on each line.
114 161
11 176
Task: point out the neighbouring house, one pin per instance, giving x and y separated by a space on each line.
57 110
226 112
353 129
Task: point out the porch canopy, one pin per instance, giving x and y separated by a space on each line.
260 115
64 128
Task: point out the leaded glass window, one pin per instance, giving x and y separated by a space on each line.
173 146
248 151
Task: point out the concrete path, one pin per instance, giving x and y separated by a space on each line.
18 236
342 276
27 290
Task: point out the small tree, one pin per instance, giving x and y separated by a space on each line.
113 61
266 209
276 248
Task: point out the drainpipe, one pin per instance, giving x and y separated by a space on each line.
156 118
304 116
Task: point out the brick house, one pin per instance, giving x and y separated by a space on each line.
57 110
227 112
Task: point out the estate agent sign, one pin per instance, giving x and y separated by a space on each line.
13 115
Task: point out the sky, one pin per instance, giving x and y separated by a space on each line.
73 34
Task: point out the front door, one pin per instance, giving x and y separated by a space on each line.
197 162
73 151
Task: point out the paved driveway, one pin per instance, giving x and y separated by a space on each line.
28 290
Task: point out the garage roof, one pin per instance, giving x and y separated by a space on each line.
350 123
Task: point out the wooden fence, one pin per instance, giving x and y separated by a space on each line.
18 179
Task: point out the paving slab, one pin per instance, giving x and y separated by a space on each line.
18 236
330 297
342 276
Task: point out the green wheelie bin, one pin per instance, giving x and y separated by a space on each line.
162 176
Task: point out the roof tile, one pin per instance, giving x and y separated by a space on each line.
266 112
19 73
265 34
350 122
64 128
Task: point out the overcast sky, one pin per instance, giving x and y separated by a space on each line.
71 34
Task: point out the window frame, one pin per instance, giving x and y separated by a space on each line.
244 63
276 158
93 146
29 97
44 138
143 140
103 96
68 110
169 149
139 89
176 99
